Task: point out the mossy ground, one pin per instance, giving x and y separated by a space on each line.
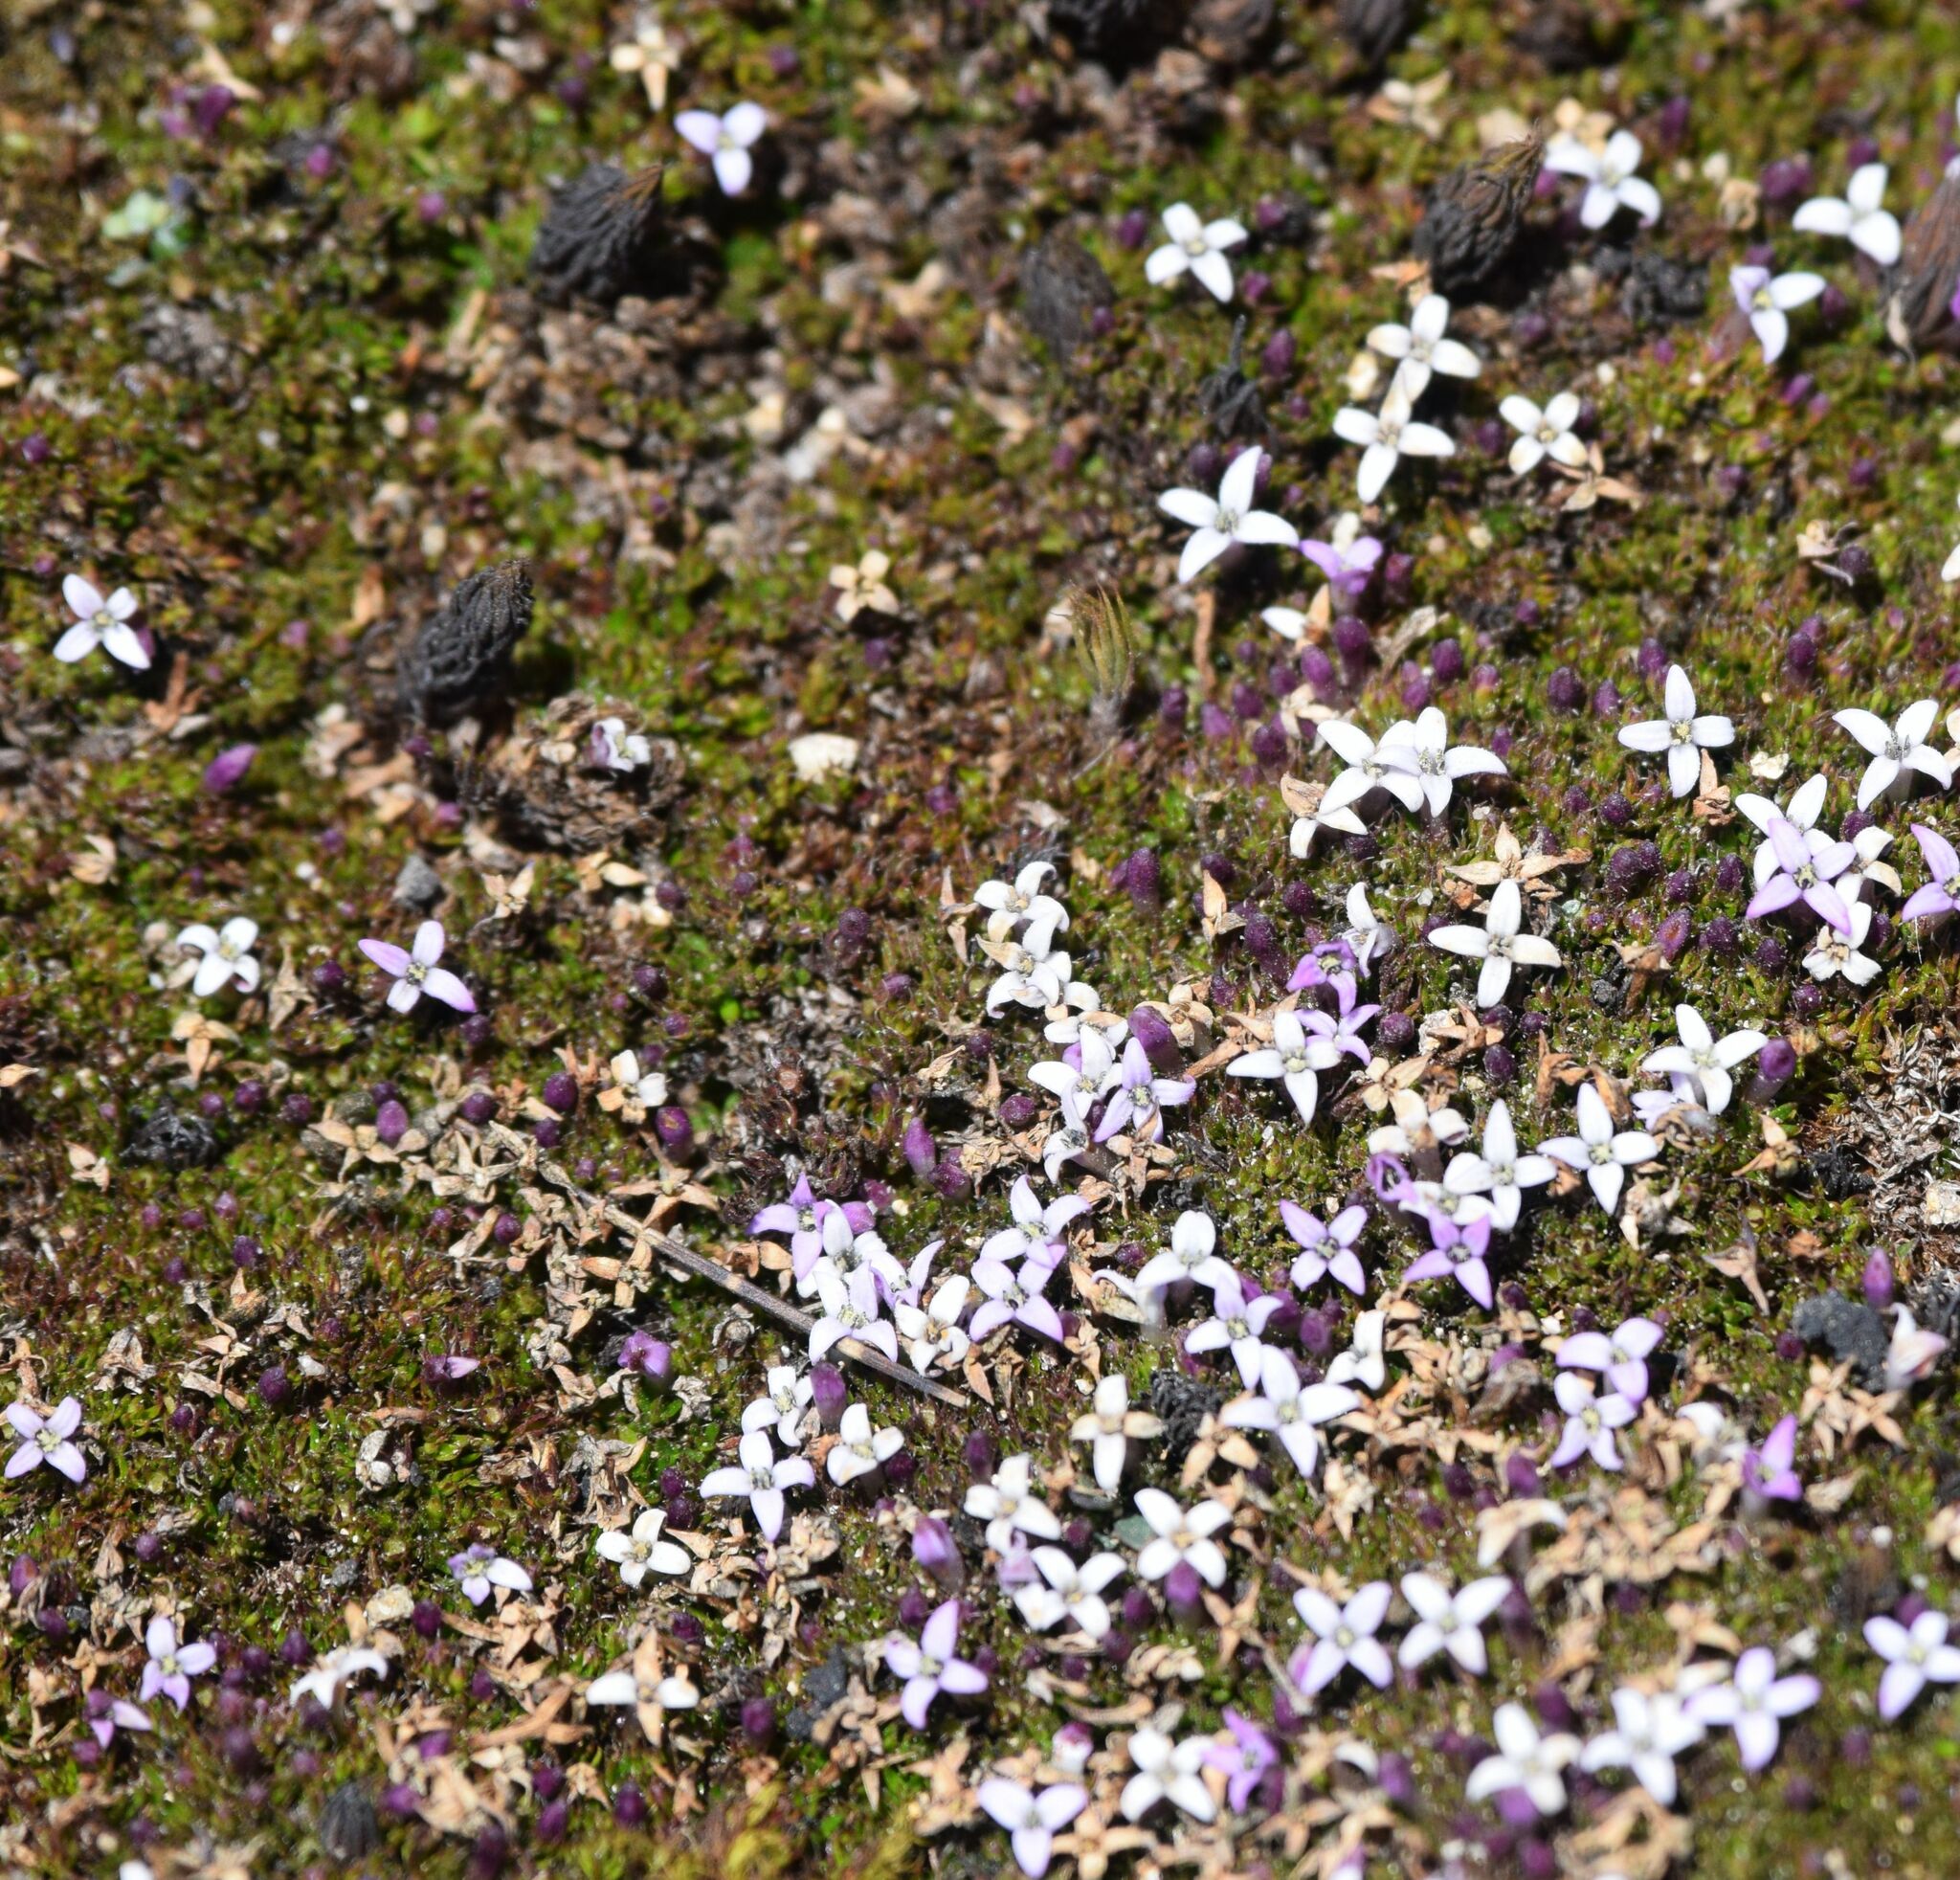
340 427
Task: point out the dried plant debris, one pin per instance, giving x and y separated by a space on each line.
1471 220
1919 313
1062 288
459 659
605 235
1376 28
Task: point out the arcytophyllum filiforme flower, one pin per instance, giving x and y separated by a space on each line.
613 747
1610 181
1110 1426
1034 970
1387 438
1541 434
417 971
1327 1247
1364 1362
1681 734
1769 300
172 1665
864 587
101 622
1348 558
227 955
1190 1256
932 1333
1244 1760
48 1439
1196 247
1136 1103
1620 1357
1755 1703
1806 862
1457 1253
1649 1733
724 139
1451 1621
1014 1298
1590 1420
1498 943
1526 1760
639 1550
1942 894
1838 956
1421 349
1178 1534
1235 1325
1289 1410
1896 749
931 1665
1071 1591
1423 751
1498 1177
1167 1771
1009 903
1008 1504
1367 768
1292 1060
761 1480
1704 1060
1218 523
334 1670
1599 1153
647 1688
1343 1636
1915 1656
1031 1820
859 1449
479 1568
1859 215
1771 1471
851 1310
1038 1231
783 1406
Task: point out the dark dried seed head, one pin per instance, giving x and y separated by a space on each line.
460 657
1919 313
603 235
1474 213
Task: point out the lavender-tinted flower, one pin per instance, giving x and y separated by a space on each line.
415 972
1315 1238
226 769
1915 1656
1244 1760
1458 1252
1450 1622
1769 1471
1178 1534
1032 1820
47 1440
725 139
1755 1703
101 622
762 1480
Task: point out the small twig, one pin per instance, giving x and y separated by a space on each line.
702 1268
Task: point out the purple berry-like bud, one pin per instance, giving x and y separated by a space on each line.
1606 700
1718 938
560 1092
1262 942
1877 1282
1133 229
1278 355
935 1551
1018 1112
1143 881
1138 1611
1521 1476
478 1108
1270 746
914 1608
228 768
1184 1592
1399 572
1565 690
506 1229
1808 1000
274 1387
949 1181
426 1618
1351 638
759 1721
981 1454
1500 1063
552 1820
1317 669
1673 934
1616 811
829 1393
1785 181
391 1122
919 1151
630 1806
329 978
674 1129
1395 1031
1446 662
1775 1066
1652 659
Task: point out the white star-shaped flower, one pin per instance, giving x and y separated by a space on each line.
1498 1177
1838 954
1498 943
1599 1153
1703 1058
1769 300
1367 768
1611 184
1196 247
1681 734
1387 438
1541 434
1858 216
1421 348
101 622
1423 751
1896 749
1526 1760
1228 519
1650 1732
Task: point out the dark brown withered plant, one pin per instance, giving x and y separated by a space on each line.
1375 28
1919 311
1062 284
1228 397
1106 643
460 656
1474 213
604 233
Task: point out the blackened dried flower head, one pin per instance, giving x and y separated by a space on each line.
1919 313
1229 399
1375 28
173 1141
603 234
1474 213
1105 26
461 655
348 1828
1062 284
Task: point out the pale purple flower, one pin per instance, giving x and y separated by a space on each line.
1838 956
334 1670
1197 248
1599 1153
1328 1248
1289 1410
1110 1426
1364 937
1421 348
1178 1534
1218 523
724 139
1526 1760
1755 1703
1014 1298
1339 1032
1387 438
1456 1253
1190 1256
1705 1060
761 1479
1070 1592
479 1568
1610 180
1031 1820
1235 1325
1590 1421
1942 894
932 1333
1500 942
47 1440
802 1217
931 1666
1451 1621
1896 749
1008 1504
1010 904
417 971
1498 1177
1771 1471
1859 215
1344 1636
172 1665
1038 1231
108 1714
1912 1353
783 1405
851 1310
844 1249
1167 1771
1682 734
859 1449
228 768
1543 432
613 747
639 1550
1292 1060
1806 864
1620 1356
101 622
1769 302
1348 565
1244 1760
1423 751
1649 1733
1136 1105
1806 805
1915 1656
227 955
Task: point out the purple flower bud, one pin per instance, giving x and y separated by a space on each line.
507 1229
630 1806
1521 1476
1673 934
1500 1063
1785 180
228 768
651 1358
759 1721
914 1608
1184 1592
1138 1610
1807 1001
1718 938
1395 1031
1775 1066
830 1394
1143 881
1132 230
274 1387
1565 690
1606 700
935 1550
1278 355
1317 669
391 1122
560 1092
1652 659
981 1454
920 1152
674 1129
1446 661
1018 1112
1877 1282
1351 638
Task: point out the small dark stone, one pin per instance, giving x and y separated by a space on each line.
1840 1173
173 1141
1375 28
1660 289
1849 1329
348 1828
418 885
1566 36
460 657
1474 213
1184 1403
603 234
1105 26
1062 284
